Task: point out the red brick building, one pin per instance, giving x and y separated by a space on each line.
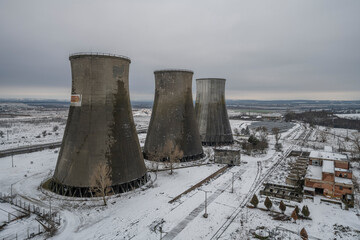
329 177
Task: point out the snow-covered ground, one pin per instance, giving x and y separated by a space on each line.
141 213
349 116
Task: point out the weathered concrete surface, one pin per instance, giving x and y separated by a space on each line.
102 129
173 115
211 113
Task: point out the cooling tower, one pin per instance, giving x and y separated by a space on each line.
211 113
100 129
173 116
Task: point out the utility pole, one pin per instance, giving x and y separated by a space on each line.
12 160
232 183
205 215
50 207
11 192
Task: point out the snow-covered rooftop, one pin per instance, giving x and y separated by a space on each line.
328 166
309 189
328 155
343 180
342 170
314 172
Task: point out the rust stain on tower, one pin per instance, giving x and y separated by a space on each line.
100 128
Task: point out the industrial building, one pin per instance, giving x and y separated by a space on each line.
173 117
100 128
211 113
329 174
230 156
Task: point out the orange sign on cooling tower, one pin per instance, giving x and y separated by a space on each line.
75 100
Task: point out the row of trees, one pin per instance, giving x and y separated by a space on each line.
268 204
323 118
294 215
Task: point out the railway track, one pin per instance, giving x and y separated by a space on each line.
40 147
259 180
28 149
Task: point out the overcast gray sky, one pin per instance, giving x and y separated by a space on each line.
283 49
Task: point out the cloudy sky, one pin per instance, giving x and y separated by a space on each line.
283 49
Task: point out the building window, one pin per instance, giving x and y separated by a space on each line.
315 162
341 187
345 175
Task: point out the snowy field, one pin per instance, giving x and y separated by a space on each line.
141 213
349 116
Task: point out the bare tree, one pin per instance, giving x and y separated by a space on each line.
263 143
155 159
173 153
355 139
101 181
263 133
323 136
276 132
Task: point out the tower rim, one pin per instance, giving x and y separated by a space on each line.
173 70
98 54
202 79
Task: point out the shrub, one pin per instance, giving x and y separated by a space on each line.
297 210
253 140
55 128
305 211
294 215
303 234
282 207
268 203
254 201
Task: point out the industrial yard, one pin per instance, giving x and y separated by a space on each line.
145 213
181 120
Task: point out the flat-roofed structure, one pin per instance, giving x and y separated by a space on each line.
317 157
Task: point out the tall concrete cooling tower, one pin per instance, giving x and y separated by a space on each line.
173 116
211 113
100 129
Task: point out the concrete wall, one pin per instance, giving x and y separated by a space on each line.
173 115
100 129
211 113
231 157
